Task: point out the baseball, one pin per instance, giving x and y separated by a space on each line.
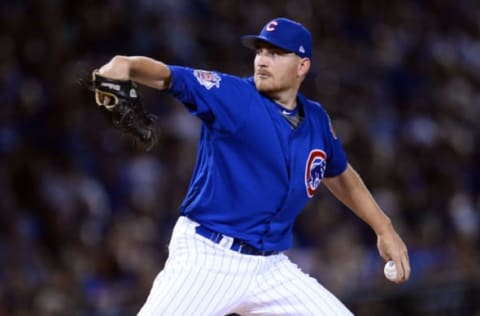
390 271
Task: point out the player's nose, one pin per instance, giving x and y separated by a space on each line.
261 60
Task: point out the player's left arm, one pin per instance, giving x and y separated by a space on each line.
349 188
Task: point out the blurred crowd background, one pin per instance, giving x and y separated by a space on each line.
85 214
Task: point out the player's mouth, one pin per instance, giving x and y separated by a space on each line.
262 74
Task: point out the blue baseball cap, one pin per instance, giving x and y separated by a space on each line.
285 34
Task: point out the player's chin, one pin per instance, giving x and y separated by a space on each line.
263 85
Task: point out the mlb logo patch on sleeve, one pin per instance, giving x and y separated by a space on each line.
208 79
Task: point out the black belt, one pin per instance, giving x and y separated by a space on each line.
237 244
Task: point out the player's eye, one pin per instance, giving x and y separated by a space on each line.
266 52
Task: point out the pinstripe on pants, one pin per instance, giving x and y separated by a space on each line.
203 278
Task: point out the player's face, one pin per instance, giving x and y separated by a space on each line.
276 70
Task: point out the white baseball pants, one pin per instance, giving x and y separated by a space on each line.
203 278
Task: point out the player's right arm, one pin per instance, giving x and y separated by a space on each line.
350 189
144 70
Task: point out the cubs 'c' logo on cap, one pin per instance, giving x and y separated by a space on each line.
271 26
314 170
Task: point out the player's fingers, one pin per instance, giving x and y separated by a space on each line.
107 100
406 267
104 99
402 266
399 268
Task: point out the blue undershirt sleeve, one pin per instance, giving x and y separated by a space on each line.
337 158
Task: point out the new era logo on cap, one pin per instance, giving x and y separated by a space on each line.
283 33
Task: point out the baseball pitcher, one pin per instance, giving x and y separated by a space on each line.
264 150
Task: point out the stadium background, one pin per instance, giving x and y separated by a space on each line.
85 216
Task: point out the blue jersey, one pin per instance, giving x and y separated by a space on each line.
254 172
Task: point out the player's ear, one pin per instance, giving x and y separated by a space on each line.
303 66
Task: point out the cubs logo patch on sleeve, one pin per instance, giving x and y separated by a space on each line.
314 170
208 79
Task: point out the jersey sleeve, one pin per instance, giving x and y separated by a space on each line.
218 99
336 158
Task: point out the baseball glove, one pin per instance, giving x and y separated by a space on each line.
120 100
